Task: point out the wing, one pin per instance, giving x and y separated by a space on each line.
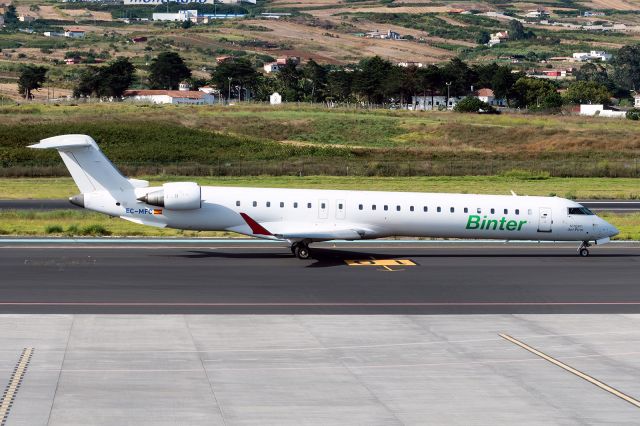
304 231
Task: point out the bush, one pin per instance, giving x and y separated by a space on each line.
94 230
53 229
633 114
471 104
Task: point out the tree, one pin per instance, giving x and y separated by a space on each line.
483 38
626 67
461 77
316 76
290 79
517 31
503 81
10 15
587 92
430 79
31 78
239 70
370 81
339 85
167 70
117 77
597 73
108 81
536 93
473 104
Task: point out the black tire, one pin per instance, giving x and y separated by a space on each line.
583 252
302 252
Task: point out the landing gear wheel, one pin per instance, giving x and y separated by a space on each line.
584 252
302 252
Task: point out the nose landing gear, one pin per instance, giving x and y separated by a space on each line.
583 250
301 250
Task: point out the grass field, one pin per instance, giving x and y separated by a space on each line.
578 188
311 140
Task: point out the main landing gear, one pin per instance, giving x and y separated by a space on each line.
583 250
301 250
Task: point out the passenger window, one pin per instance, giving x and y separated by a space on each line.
517 211
479 210
255 204
506 211
308 205
493 211
411 208
452 209
373 207
398 208
425 209
268 203
360 207
281 204
238 203
295 205
439 209
386 208
529 211
466 210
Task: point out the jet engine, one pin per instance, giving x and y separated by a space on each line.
175 196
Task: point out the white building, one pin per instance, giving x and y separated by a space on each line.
1 20
52 34
271 67
410 64
599 111
437 102
275 98
537 13
74 32
594 55
498 38
389 35
636 101
181 16
487 95
175 97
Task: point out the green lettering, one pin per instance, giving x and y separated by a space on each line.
512 225
502 221
473 222
492 222
522 222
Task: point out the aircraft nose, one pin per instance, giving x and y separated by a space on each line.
613 231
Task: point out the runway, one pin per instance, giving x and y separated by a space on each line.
618 206
186 277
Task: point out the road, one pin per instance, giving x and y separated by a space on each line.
373 278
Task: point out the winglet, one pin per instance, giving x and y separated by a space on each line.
256 228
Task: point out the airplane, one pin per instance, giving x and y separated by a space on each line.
300 217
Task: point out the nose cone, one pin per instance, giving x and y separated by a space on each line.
613 231
608 229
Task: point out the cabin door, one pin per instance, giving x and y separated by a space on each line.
323 209
544 221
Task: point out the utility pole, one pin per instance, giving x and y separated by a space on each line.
448 87
229 96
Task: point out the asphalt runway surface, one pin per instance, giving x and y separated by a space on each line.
618 206
372 278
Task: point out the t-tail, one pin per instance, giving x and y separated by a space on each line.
90 169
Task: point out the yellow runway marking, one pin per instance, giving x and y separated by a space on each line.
572 370
12 388
380 262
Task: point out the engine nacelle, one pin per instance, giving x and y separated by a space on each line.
175 196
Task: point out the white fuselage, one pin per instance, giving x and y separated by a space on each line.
373 214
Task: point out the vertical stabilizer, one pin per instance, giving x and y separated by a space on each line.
89 167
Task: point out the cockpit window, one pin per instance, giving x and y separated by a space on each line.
580 211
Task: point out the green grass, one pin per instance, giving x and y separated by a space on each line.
311 140
522 184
